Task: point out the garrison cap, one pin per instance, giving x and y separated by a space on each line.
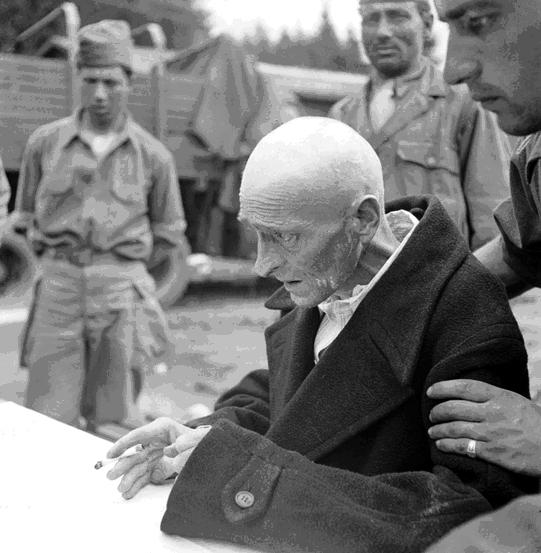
105 43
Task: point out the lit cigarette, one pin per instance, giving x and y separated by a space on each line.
127 453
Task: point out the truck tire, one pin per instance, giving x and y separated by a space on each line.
172 277
17 265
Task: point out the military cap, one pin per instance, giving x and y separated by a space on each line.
105 43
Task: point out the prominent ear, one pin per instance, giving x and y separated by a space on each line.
366 217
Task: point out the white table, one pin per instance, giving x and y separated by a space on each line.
52 498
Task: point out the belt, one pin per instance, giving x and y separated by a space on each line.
80 257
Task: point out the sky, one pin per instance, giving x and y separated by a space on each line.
241 17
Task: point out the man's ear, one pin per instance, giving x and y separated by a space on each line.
367 218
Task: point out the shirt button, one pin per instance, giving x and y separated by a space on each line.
431 161
244 499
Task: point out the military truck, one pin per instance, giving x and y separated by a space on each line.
209 104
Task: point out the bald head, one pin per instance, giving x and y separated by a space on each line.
314 165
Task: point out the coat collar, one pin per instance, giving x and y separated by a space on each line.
367 371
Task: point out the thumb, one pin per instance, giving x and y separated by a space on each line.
186 441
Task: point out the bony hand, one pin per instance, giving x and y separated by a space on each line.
167 446
504 427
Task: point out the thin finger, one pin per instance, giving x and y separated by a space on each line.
132 476
145 435
137 486
471 390
460 447
458 410
125 464
456 430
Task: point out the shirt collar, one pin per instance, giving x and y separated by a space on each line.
74 127
342 306
402 224
400 85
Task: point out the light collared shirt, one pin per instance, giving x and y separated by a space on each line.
337 312
126 201
384 94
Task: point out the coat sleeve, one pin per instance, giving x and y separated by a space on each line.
246 404
485 155
299 505
479 344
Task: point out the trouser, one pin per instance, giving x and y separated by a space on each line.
82 341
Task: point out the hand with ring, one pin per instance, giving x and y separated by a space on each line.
483 421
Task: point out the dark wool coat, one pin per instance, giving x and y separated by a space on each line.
336 455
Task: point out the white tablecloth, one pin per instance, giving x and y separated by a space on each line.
53 500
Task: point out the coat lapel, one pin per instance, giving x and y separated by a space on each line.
290 352
351 387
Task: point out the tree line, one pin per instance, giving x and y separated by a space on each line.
322 50
183 25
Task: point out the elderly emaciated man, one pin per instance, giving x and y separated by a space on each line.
327 448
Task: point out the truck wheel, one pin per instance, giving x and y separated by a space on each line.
172 277
17 265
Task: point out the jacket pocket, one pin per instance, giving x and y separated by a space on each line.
128 191
429 156
53 183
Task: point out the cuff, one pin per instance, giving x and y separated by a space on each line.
228 480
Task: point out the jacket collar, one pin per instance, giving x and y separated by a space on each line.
530 147
412 105
73 128
367 371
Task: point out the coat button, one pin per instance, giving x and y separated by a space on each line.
244 499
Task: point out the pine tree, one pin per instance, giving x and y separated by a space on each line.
324 50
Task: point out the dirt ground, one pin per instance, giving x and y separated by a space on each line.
218 338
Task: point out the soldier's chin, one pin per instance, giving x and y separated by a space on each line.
518 125
391 67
